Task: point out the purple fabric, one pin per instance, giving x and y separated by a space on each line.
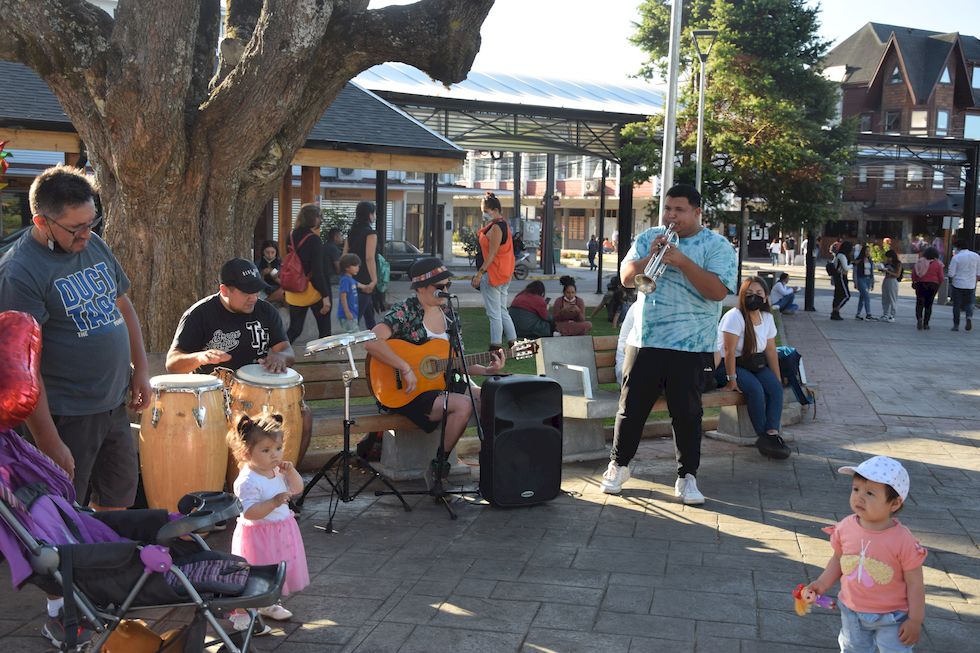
156 559
22 464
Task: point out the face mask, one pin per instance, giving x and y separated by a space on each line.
487 216
754 302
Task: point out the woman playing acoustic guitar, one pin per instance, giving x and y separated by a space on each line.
416 321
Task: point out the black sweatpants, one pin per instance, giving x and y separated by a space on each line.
649 372
841 292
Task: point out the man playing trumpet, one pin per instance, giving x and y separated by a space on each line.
672 338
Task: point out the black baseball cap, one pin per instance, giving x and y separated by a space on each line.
242 274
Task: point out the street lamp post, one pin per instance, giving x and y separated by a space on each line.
704 40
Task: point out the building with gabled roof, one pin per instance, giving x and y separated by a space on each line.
905 82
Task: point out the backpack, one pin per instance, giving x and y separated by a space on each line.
384 273
789 370
291 274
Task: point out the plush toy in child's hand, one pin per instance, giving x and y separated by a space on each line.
806 598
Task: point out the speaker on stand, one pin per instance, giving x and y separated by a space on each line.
520 457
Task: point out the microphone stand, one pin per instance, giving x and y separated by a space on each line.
457 362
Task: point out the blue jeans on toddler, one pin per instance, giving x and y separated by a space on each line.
870 632
763 395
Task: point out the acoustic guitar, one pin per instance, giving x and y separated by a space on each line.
429 361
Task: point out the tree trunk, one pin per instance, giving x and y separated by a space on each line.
188 150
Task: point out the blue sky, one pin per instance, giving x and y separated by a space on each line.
588 38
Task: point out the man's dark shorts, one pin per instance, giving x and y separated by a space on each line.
105 456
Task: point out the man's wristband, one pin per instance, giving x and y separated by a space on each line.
731 377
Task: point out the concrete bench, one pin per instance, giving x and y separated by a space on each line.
581 363
405 451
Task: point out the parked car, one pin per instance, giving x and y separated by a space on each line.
401 254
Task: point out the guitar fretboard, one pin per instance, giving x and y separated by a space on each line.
470 359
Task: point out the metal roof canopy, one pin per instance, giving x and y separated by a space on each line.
501 112
889 148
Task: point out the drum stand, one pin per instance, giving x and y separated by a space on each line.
340 463
456 362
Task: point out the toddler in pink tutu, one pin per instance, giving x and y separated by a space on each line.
267 531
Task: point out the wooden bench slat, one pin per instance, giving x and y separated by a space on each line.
335 389
605 343
327 421
327 371
605 359
606 375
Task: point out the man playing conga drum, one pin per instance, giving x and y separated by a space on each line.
233 328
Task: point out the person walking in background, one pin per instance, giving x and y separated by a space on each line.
864 281
892 269
333 249
568 311
775 247
347 292
305 240
495 266
674 329
593 248
804 248
964 270
927 276
837 268
529 311
748 364
790 250
363 241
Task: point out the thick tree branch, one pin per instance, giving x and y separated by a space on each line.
241 16
57 37
208 28
439 37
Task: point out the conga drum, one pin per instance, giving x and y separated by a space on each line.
255 390
182 438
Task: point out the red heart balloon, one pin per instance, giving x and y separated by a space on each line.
20 358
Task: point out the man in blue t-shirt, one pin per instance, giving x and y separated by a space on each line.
67 278
672 337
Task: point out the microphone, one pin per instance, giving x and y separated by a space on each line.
445 295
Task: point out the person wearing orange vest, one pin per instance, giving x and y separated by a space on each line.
495 265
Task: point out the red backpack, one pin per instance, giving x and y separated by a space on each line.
291 274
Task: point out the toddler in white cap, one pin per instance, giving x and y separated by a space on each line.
878 561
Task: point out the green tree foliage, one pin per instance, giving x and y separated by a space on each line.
770 129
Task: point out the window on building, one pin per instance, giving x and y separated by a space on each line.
883 229
863 175
938 179
942 122
575 226
976 77
945 78
971 127
888 177
537 166
896 76
913 177
893 122
919 123
865 125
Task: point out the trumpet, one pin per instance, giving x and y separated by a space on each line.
646 283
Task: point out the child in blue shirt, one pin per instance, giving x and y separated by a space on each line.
350 265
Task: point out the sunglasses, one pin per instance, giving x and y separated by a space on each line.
443 286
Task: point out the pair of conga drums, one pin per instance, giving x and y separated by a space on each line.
182 434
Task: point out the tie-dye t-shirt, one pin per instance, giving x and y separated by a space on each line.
676 316
873 564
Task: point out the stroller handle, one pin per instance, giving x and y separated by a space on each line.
202 512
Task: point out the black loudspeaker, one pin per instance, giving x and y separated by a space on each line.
520 458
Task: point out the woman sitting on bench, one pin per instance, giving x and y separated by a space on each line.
751 366
529 311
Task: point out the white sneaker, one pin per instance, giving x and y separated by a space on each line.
687 489
614 477
239 621
276 611
890 318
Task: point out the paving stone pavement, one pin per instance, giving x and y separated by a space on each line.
638 572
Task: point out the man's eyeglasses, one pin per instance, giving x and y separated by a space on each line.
88 226
443 287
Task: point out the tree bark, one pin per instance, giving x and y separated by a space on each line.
188 150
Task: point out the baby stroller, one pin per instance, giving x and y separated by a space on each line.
111 566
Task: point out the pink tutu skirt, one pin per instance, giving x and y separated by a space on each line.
269 543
